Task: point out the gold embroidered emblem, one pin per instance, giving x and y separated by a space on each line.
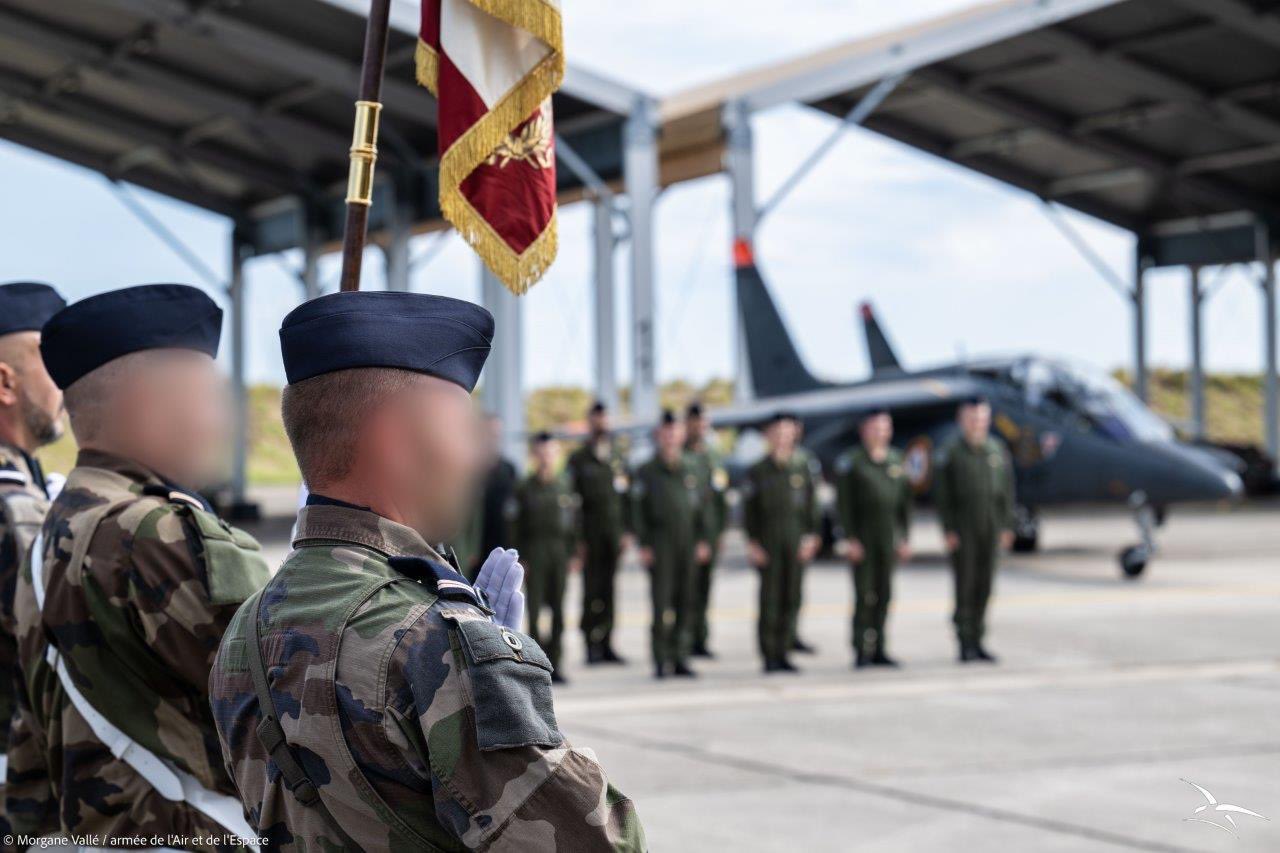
530 144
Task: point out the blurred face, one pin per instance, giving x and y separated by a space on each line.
598 422
975 422
428 455
697 427
546 454
30 403
493 435
877 431
781 437
170 410
670 440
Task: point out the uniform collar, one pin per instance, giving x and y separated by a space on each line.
16 463
358 526
139 474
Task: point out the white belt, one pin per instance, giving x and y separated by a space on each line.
169 781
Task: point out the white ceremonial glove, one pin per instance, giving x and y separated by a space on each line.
500 579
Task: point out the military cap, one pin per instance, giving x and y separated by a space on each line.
541 437
975 400
441 337
875 412
25 306
598 408
87 334
694 410
668 418
779 416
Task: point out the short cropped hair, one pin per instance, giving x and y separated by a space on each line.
88 399
322 415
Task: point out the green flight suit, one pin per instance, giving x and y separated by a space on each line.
669 516
598 475
875 509
974 493
545 531
780 508
714 481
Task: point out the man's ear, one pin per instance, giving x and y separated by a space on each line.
8 385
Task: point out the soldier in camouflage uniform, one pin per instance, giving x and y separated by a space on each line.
974 493
600 478
875 518
671 521
546 532
702 453
366 699
30 417
132 580
782 519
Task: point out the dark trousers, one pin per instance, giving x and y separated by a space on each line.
672 586
701 625
973 566
598 572
872 589
544 590
780 580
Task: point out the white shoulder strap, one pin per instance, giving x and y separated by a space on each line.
169 781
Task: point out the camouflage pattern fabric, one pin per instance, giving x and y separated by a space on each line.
137 622
22 506
424 725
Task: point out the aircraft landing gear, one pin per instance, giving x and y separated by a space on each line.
1134 559
1026 530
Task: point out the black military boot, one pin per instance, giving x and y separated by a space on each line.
968 654
785 665
983 655
595 655
862 660
772 666
881 659
608 655
701 651
803 648
659 671
682 669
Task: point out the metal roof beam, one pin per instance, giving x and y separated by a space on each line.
1166 86
180 190
1008 141
1240 157
1061 127
93 57
1239 16
294 58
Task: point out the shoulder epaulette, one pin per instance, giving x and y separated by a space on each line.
172 495
446 582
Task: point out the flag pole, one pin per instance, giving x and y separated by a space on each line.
364 144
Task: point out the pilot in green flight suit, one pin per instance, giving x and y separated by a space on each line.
781 516
974 493
875 515
545 533
671 520
700 448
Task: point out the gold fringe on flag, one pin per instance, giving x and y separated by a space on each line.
542 20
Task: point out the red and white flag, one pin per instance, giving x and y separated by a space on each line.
492 66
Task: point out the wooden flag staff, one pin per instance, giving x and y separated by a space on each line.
364 144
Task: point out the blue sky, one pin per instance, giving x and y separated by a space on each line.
955 263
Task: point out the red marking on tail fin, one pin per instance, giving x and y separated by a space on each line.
743 254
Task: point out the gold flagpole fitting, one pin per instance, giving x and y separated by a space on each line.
364 153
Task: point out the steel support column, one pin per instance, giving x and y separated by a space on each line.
740 164
1271 423
1197 353
503 393
239 384
605 351
640 164
1140 326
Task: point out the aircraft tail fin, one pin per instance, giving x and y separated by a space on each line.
774 363
879 350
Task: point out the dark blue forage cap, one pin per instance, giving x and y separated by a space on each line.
87 334
25 306
436 335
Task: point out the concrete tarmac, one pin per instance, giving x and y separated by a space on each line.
1107 696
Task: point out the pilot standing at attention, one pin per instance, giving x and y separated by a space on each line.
974 493
699 445
781 516
875 514
365 699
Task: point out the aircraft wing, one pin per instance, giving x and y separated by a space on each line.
896 395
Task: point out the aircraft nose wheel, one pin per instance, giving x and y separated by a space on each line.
1133 561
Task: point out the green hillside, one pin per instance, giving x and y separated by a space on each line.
1234 407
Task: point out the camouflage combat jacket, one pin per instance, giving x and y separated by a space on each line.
423 725
137 623
23 501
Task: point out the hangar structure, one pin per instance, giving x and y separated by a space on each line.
1122 109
